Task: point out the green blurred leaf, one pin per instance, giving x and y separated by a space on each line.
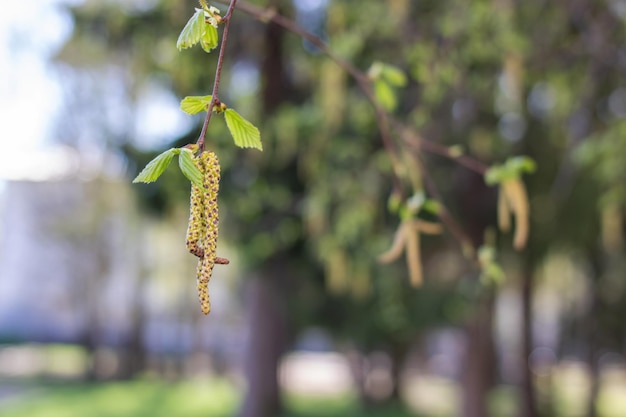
394 202
431 206
156 167
389 73
193 31
245 134
188 168
521 164
393 75
385 95
209 37
195 104
511 169
491 272
494 175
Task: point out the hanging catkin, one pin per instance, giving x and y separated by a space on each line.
202 230
197 222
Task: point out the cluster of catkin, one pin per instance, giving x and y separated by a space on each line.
203 224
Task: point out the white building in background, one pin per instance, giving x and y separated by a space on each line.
77 255
66 253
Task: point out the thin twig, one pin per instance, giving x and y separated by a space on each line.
445 216
218 74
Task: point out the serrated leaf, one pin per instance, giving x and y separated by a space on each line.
209 38
244 133
385 95
195 104
156 167
192 32
188 168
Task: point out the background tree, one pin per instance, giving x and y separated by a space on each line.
487 79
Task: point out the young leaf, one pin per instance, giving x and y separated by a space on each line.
192 32
195 104
245 134
385 95
155 168
393 75
209 38
521 164
188 168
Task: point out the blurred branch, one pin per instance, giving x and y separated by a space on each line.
218 73
384 120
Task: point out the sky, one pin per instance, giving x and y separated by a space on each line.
30 33
31 95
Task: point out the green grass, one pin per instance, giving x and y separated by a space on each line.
150 398
140 398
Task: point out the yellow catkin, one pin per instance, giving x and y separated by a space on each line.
518 200
398 245
197 222
211 171
414 258
504 213
205 268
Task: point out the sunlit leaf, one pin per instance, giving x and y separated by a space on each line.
195 104
192 32
245 134
188 168
209 37
156 167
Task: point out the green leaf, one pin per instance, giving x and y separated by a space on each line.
155 168
385 95
431 206
511 169
389 73
393 75
375 70
245 134
192 32
209 37
520 164
195 104
188 168
494 175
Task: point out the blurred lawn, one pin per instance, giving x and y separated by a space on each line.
220 398
141 398
147 398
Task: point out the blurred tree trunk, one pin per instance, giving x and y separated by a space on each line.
479 362
479 358
267 339
267 335
528 398
136 354
592 329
